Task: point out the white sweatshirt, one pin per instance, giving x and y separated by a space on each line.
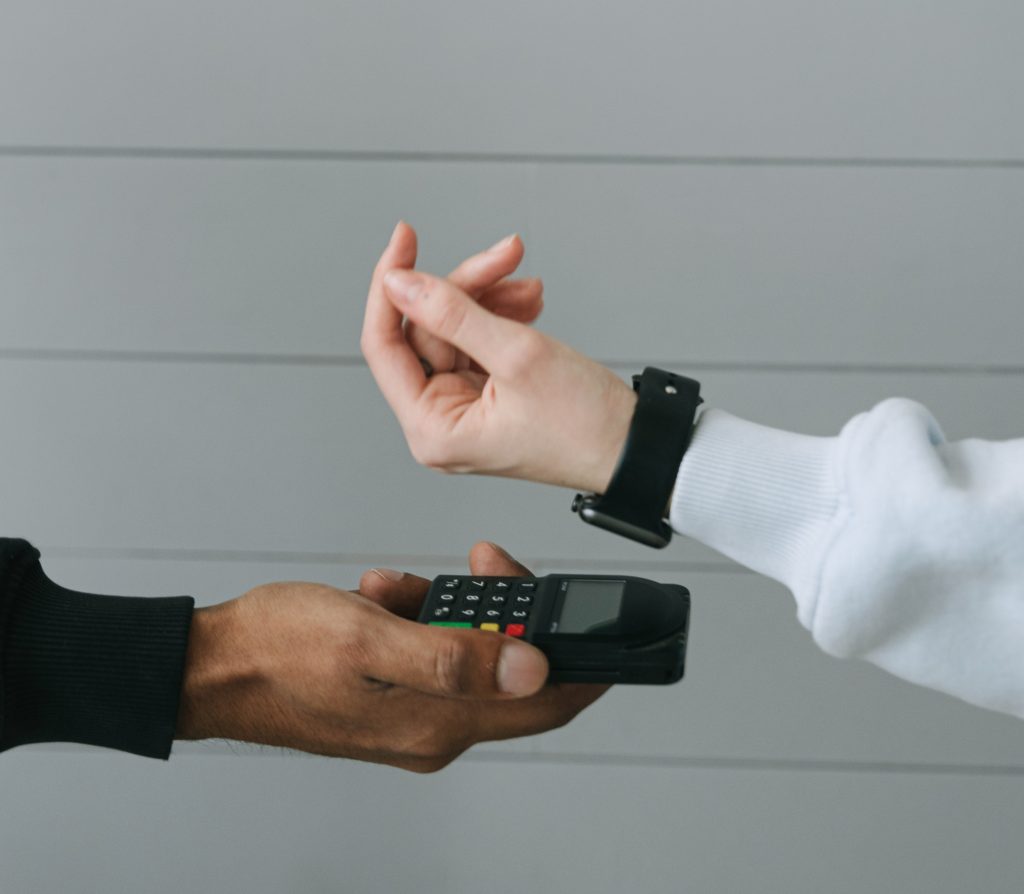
900 548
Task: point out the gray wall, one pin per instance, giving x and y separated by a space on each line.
810 206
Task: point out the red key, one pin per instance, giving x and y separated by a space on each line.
515 630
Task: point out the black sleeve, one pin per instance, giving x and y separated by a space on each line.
77 667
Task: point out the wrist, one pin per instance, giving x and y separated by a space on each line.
215 671
597 476
633 502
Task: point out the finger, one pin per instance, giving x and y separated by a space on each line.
514 299
437 354
472 664
399 253
475 276
490 560
394 365
400 593
483 270
446 311
523 302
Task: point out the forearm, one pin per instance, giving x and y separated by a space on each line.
78 667
900 548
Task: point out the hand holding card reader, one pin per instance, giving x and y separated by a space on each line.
593 628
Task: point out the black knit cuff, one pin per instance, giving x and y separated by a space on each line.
76 667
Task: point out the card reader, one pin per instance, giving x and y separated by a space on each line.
593 628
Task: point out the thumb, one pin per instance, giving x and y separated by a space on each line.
444 310
455 663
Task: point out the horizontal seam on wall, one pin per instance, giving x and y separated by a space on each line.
89 355
553 158
759 764
225 748
184 554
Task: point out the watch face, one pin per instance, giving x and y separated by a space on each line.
658 537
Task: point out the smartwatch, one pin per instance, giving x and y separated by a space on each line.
634 504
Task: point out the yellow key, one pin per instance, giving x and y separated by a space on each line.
493 627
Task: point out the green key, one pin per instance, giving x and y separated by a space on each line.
450 624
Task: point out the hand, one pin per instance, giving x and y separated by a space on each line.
352 675
513 402
483 278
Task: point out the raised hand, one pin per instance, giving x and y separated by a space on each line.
511 401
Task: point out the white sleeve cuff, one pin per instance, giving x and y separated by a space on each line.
763 497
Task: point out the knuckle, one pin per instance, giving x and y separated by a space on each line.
421 453
451 315
359 647
566 711
418 450
439 745
530 349
439 763
434 743
425 448
427 765
563 717
451 661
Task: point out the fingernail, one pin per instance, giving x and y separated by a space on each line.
505 243
405 285
521 670
499 550
394 233
388 574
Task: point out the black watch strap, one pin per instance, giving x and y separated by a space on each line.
659 433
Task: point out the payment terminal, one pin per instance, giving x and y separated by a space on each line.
592 628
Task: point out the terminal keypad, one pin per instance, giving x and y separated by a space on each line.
501 604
